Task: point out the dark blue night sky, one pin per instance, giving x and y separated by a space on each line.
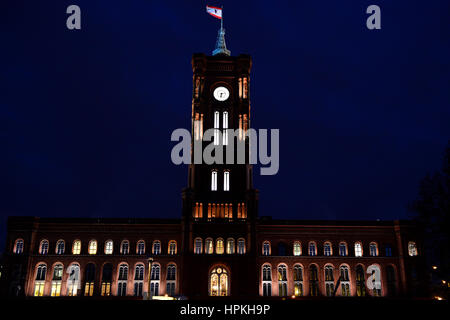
86 116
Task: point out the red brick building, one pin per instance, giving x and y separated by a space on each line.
219 247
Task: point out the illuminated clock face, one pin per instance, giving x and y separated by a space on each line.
221 93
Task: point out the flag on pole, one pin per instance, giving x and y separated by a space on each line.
214 11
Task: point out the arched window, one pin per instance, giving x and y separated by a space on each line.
373 249
225 127
156 247
391 281
345 281
155 278
122 280
216 127
342 249
327 249
214 180
313 281
267 280
312 249
230 246
56 280
219 246
219 282
109 247
140 247
93 247
412 249
39 283
209 246
241 246
298 280
138 280
297 248
266 248
172 247
358 249
76 247
73 281
329 281
125 247
106 279
171 279
18 246
60 247
43 249
226 179
360 282
282 280
198 244
89 280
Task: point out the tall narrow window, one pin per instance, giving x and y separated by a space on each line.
230 246
373 249
209 246
76 247
297 248
225 128
343 249
122 280
89 279
109 247
266 248
172 247
327 250
245 88
93 247
226 181
60 247
198 246
216 128
214 180
44 247
140 247
329 281
171 279
312 249
156 247
360 282
73 281
313 281
298 280
39 283
267 280
155 277
412 249
219 246
282 281
198 210
106 279
125 247
138 280
18 246
345 281
241 246
358 249
56 280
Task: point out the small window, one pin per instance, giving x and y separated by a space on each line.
198 244
226 181
327 250
266 248
93 247
18 246
358 249
125 247
60 247
412 249
342 249
373 249
312 249
297 248
109 247
156 247
214 180
230 246
140 247
44 247
219 246
241 246
172 247
76 247
388 250
209 246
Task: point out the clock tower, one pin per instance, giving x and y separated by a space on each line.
220 203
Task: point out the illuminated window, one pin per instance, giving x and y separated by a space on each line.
241 211
125 247
313 281
230 246
282 281
93 247
106 279
198 246
241 246
76 247
219 282
219 246
343 249
44 247
156 247
267 280
329 281
172 247
198 210
412 249
57 280
225 127
109 247
39 283
226 181
345 281
358 249
216 127
373 249
209 246
170 280
214 180
60 247
89 280
18 246
312 249
140 247
327 250
138 280
155 277
266 248
360 282
122 280
297 248
298 280
73 281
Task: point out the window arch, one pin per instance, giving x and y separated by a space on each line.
345 281
241 246
89 280
60 246
282 280
172 247
18 246
125 247
230 246
73 281
43 248
327 249
170 279
140 247
198 245
412 249
56 280
209 246
373 249
139 280
266 248
219 282
106 279
313 281
122 280
329 280
298 280
358 249
267 280
109 247
156 248
297 248
39 283
219 246
312 248
343 249
155 277
76 247
93 247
